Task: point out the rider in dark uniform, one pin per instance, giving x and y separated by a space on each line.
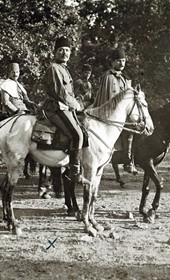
61 105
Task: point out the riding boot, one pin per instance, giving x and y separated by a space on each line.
75 174
129 166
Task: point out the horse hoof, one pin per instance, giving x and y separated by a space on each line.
151 216
99 228
135 172
149 220
150 212
122 185
71 213
17 231
90 230
45 196
79 216
10 227
27 176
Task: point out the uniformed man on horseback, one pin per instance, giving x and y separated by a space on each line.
111 83
14 95
61 105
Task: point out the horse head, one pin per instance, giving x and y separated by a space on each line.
139 114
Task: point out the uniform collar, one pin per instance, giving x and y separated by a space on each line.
116 73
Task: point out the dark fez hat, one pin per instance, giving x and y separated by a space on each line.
13 66
62 42
87 67
118 54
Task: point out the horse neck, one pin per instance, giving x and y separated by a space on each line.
116 108
109 133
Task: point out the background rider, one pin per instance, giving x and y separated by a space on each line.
83 87
14 95
111 83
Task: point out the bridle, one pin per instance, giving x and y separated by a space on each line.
141 122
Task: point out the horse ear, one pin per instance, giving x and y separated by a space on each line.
138 88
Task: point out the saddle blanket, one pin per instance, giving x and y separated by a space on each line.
43 132
48 137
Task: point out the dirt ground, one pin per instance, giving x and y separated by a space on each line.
127 250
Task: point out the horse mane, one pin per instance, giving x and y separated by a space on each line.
106 109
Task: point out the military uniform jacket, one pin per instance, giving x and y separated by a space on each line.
111 83
58 85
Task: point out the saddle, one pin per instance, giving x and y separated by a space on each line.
49 137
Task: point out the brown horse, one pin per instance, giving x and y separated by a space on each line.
104 125
149 153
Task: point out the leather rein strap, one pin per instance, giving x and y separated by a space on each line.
118 124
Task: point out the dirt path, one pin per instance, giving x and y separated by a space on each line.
127 249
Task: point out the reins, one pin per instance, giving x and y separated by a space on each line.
122 124
117 123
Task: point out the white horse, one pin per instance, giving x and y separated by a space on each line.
104 125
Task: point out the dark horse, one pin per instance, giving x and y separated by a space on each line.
150 152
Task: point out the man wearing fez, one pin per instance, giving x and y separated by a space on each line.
14 95
61 105
112 82
83 87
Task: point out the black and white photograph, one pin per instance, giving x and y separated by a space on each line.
84 139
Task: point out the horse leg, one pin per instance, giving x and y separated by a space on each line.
86 209
56 176
7 194
155 204
145 192
117 173
152 173
4 200
95 189
70 197
67 195
25 170
89 199
42 189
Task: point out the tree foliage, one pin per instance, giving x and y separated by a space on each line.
29 29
